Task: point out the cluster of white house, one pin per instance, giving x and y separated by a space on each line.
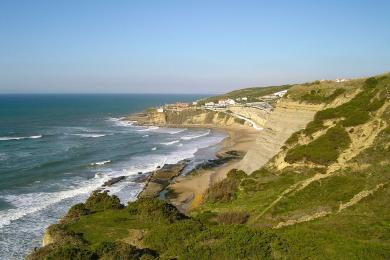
223 103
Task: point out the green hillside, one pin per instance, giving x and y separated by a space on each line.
325 195
252 94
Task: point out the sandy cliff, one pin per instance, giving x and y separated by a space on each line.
188 117
287 118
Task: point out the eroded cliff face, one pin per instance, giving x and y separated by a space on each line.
287 118
47 239
257 115
187 117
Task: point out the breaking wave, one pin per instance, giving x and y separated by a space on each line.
10 138
170 143
100 163
189 137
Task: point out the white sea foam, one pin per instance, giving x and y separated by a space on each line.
189 137
145 136
10 138
90 135
100 163
122 122
173 132
154 149
170 143
150 128
32 202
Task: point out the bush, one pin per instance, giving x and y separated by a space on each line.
112 250
233 217
354 112
375 104
75 212
249 185
324 150
155 209
239 121
316 96
370 83
60 235
221 115
99 201
71 252
225 190
293 138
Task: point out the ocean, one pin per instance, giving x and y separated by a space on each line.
56 149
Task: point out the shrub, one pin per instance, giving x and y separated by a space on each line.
155 209
375 104
324 150
356 118
221 115
75 212
173 239
112 250
236 174
60 235
249 185
233 217
71 252
99 201
225 190
370 83
293 138
316 96
239 121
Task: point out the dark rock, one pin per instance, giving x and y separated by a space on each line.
113 181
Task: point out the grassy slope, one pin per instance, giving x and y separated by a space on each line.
358 232
270 196
251 93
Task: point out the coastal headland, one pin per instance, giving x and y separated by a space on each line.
305 168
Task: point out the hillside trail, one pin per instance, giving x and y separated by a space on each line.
354 200
368 133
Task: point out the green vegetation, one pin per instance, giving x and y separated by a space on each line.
252 94
240 216
235 217
167 234
357 110
324 150
239 120
225 190
316 96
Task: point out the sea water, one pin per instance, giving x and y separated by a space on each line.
56 149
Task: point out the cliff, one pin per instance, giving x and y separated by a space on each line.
189 116
287 118
316 186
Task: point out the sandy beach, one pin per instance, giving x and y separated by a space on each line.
189 189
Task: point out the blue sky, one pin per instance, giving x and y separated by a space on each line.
187 46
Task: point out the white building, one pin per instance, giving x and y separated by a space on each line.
230 102
195 103
160 110
210 104
226 102
280 93
244 99
340 80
